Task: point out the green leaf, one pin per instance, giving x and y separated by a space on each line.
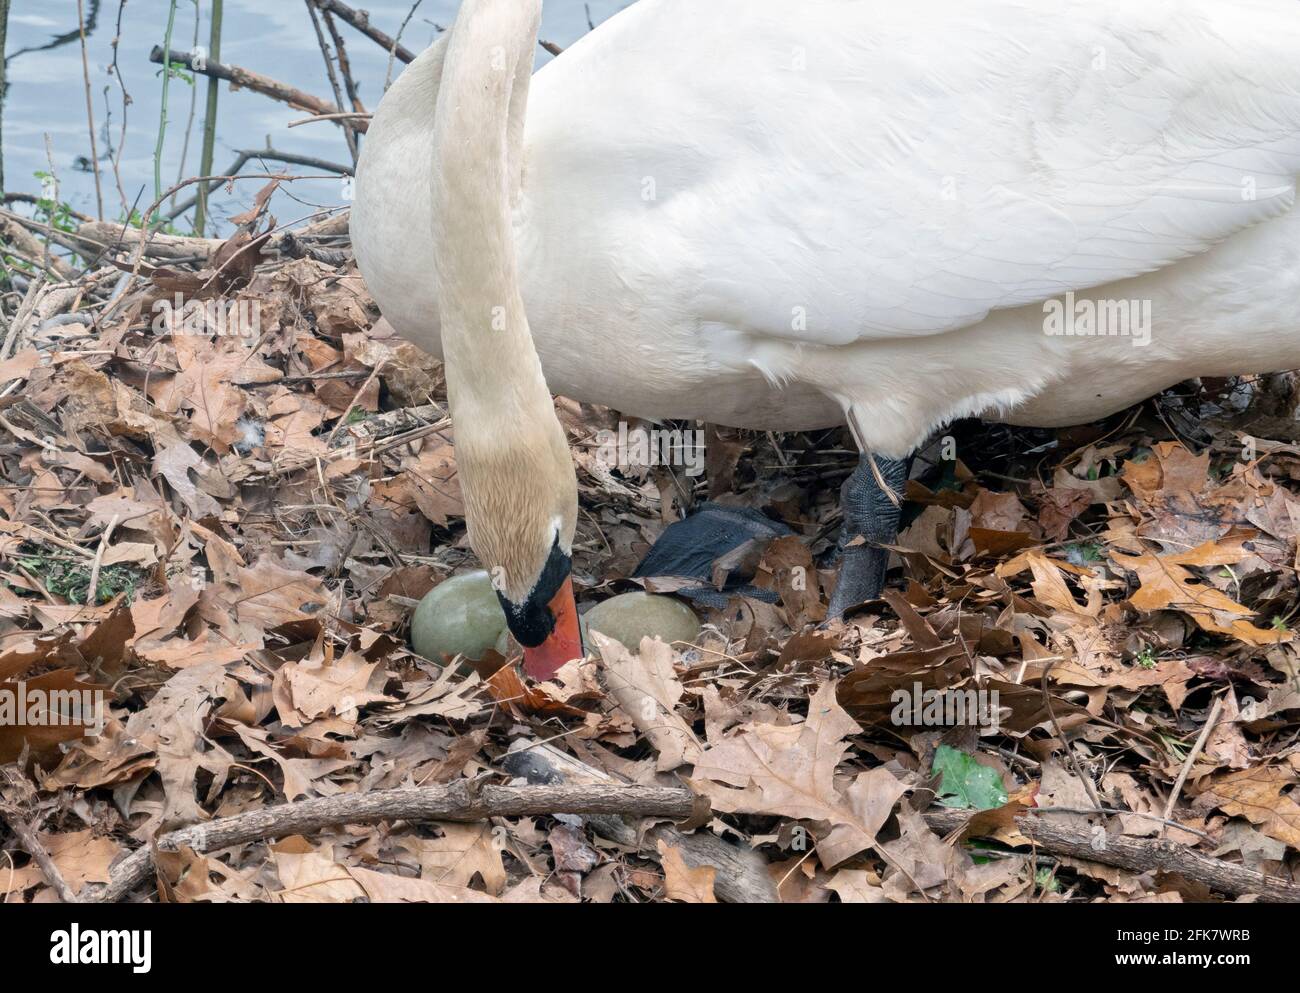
965 782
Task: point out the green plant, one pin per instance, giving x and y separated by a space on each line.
1046 881
1089 551
964 782
177 70
162 115
70 578
136 220
53 212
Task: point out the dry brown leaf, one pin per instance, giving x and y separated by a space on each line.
683 883
310 876
646 688
463 851
80 857
789 771
857 886
172 726
1166 585
1264 796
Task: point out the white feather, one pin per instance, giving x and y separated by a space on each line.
775 215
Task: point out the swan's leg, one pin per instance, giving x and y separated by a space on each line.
871 518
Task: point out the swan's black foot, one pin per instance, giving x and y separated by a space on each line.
871 514
689 548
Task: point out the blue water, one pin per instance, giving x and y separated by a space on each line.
274 37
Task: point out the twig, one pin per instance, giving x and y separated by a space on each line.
344 64
102 236
162 114
1177 791
45 536
4 31
255 81
29 840
24 314
91 596
54 202
293 158
116 72
17 197
349 134
356 398
392 51
194 100
360 20
1116 811
742 873
465 800
90 110
13 227
1136 855
329 117
1065 742
209 122
397 441
244 156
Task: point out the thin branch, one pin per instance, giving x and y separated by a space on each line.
465 800
194 102
1065 742
255 81
388 71
92 597
329 117
360 20
246 155
27 837
345 65
4 32
116 72
349 133
1135 855
1176 792
162 114
209 125
90 111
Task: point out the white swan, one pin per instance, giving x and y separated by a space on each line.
790 215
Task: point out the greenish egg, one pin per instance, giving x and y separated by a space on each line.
460 616
629 617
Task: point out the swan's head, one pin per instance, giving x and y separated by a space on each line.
545 619
521 501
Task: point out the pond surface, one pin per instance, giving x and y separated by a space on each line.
46 93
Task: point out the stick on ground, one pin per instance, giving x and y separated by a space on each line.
1137 855
27 838
465 800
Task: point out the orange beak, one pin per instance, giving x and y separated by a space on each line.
563 644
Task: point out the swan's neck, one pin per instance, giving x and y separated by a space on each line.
476 181
512 454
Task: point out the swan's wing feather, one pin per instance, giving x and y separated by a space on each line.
861 169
